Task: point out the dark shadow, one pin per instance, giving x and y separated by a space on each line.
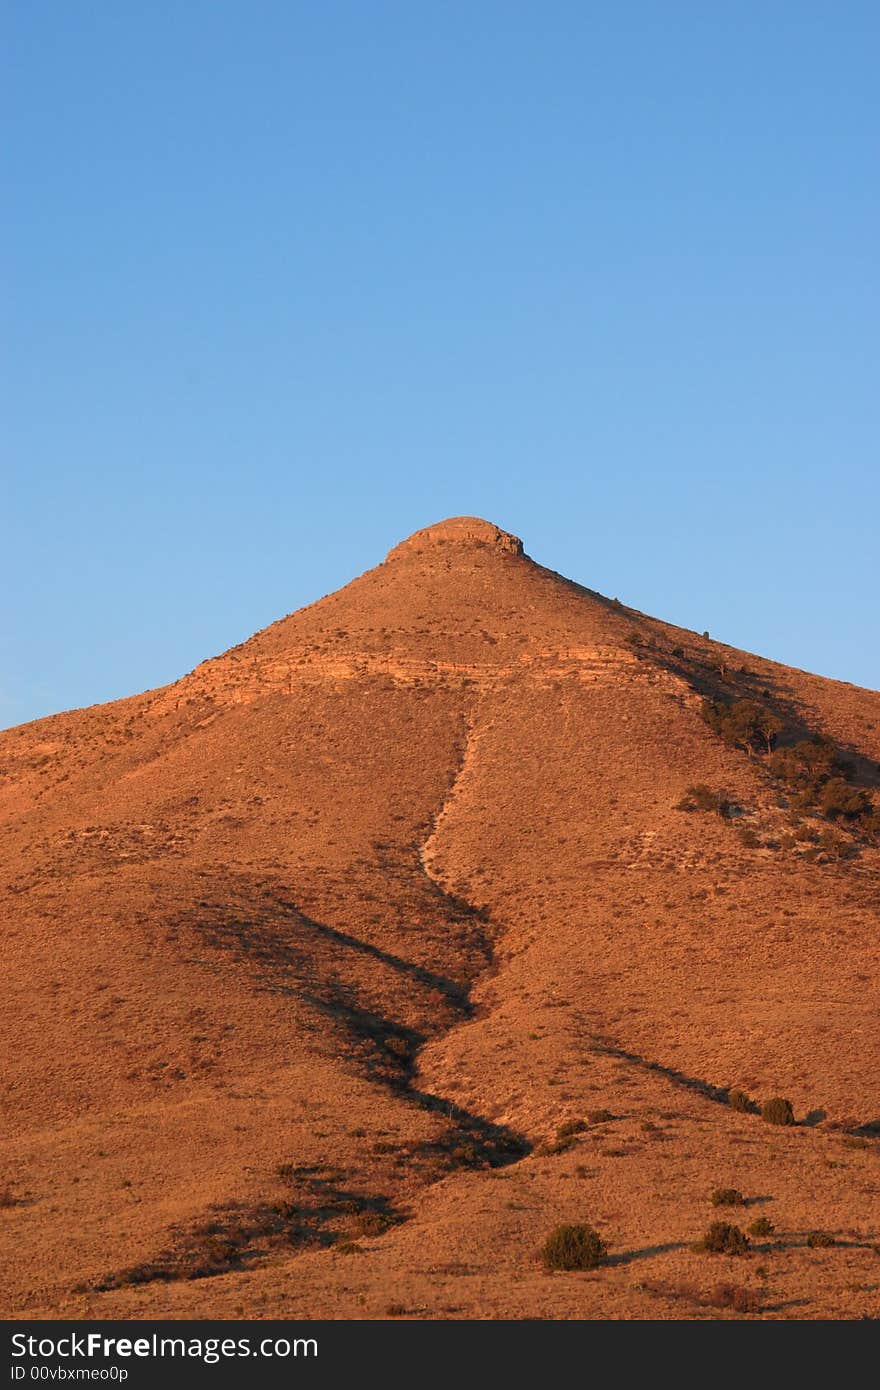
871 1130
788 1303
277 936
767 689
453 991
627 1257
718 1094
815 1117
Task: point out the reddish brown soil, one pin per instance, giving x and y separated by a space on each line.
308 957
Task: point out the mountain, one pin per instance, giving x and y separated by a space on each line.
459 905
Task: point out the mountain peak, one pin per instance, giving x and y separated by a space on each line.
460 530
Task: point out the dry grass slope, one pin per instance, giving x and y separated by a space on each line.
459 908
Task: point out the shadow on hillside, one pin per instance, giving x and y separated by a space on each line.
454 992
627 1257
305 959
719 1094
744 684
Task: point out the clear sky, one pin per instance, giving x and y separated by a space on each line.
284 281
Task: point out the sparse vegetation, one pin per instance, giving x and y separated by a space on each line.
814 773
556 1146
599 1117
743 724
727 1197
398 1047
777 1111
722 1238
570 1128
702 798
574 1247
820 1240
465 1153
373 1223
818 778
761 1226
739 1100
737 1297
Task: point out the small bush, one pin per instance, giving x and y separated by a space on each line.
820 1240
702 798
373 1223
854 1141
736 1297
555 1146
724 1239
574 1247
777 1111
727 1197
839 799
465 1153
292 1172
398 1047
599 1117
570 1128
762 1226
219 1252
738 1100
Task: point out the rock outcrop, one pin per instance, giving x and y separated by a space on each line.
460 530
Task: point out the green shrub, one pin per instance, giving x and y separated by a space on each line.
738 1100
839 799
724 1239
555 1146
744 724
761 1227
777 1111
807 763
465 1153
574 1247
571 1127
727 1197
819 1240
373 1223
736 1297
702 798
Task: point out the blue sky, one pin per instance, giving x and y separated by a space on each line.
285 281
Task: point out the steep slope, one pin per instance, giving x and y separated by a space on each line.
323 943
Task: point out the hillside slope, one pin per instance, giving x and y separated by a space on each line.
309 956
